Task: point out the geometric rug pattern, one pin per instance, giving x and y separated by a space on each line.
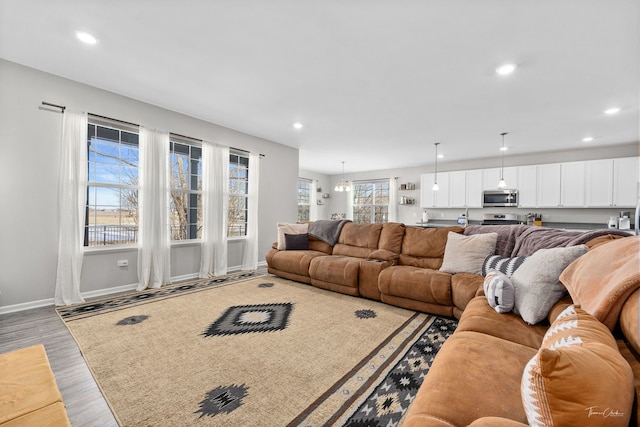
251 318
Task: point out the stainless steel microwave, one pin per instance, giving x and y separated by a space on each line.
500 198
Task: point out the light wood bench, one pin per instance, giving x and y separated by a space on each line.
29 395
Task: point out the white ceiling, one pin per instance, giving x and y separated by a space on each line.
374 82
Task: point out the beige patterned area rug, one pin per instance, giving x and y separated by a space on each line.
255 351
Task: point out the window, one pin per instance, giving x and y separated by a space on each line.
304 199
370 201
112 191
185 204
238 190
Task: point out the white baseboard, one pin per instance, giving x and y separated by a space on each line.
102 292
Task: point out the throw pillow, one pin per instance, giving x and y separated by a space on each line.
499 291
503 264
296 242
284 227
578 377
466 254
537 282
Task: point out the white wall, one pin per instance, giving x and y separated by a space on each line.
29 142
410 214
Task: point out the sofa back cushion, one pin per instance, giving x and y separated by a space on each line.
358 240
424 247
316 244
391 237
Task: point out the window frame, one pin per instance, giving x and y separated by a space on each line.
194 196
375 183
235 184
308 187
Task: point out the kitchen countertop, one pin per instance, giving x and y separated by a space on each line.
574 226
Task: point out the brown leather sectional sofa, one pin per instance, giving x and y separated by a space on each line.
477 376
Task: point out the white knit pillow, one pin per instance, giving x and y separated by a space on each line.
466 254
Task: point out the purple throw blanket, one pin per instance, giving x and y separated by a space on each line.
535 238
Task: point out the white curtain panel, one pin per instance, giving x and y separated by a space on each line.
215 207
72 193
313 208
349 195
250 256
154 239
393 201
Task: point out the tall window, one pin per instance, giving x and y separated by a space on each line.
238 191
112 192
186 190
304 199
371 201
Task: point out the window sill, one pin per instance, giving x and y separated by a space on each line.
128 248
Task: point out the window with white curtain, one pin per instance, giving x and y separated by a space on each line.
185 203
112 191
238 192
304 199
371 201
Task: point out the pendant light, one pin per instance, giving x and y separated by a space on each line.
435 176
343 185
502 183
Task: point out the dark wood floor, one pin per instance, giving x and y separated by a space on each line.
84 401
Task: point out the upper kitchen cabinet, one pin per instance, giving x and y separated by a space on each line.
548 191
612 182
465 189
527 186
491 177
572 185
434 199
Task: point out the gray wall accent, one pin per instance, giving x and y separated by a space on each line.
29 164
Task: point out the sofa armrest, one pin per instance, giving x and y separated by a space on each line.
383 255
496 422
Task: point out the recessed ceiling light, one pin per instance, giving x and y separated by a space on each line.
85 37
612 110
504 148
506 69
298 125
440 156
587 139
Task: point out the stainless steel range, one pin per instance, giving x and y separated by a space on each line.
499 219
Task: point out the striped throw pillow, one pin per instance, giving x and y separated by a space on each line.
502 264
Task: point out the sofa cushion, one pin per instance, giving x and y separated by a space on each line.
294 262
479 317
578 377
296 242
424 247
337 270
418 284
603 279
391 237
358 240
503 264
473 375
537 282
466 254
284 227
499 291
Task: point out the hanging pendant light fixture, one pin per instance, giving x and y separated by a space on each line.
502 183
343 185
435 176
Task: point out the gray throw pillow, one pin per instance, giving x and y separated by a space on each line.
537 283
466 254
499 291
504 265
296 242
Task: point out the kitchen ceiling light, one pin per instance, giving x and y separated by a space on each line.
502 184
587 139
298 125
85 37
611 111
435 176
343 185
506 69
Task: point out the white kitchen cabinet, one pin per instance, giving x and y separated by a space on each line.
458 189
572 184
474 188
491 177
625 182
599 183
434 199
612 183
527 186
548 191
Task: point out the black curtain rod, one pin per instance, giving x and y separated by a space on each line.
62 107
